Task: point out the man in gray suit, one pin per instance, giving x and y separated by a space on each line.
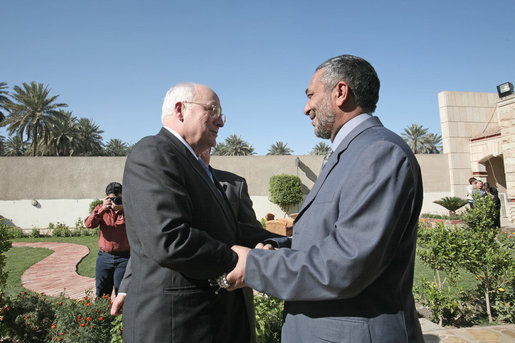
348 274
181 228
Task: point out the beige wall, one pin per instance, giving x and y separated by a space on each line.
64 186
464 115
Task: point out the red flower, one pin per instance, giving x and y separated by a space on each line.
88 319
100 318
53 326
87 305
60 303
59 339
82 325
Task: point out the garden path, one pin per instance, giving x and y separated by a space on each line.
56 274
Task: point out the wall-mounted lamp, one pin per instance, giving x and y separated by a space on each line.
35 203
505 89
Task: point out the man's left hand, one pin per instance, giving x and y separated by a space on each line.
237 276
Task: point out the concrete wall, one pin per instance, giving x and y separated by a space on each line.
63 187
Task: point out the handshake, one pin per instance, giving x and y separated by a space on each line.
236 278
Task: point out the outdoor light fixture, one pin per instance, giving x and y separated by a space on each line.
505 89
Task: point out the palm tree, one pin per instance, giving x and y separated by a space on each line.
14 146
89 138
432 143
279 148
320 149
63 137
116 147
219 149
414 137
234 146
32 112
4 100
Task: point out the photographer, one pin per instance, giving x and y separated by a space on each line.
114 247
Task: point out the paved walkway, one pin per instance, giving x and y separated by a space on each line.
57 275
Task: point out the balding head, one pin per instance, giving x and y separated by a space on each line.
187 109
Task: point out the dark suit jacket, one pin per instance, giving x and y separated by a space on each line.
349 274
180 229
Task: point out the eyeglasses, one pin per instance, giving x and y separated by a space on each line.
214 110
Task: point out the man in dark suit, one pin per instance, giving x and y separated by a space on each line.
348 275
236 190
181 227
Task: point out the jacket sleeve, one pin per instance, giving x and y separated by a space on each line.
93 220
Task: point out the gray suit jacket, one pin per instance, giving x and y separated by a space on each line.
349 273
180 228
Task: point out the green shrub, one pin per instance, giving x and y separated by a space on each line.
117 330
34 233
32 317
451 203
94 204
5 244
60 230
478 248
269 318
438 247
285 191
26 318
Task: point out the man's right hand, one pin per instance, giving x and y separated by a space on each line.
107 203
117 307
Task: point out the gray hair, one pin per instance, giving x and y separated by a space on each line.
181 92
359 75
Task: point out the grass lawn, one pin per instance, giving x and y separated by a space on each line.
19 259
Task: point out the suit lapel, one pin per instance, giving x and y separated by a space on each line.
334 159
197 167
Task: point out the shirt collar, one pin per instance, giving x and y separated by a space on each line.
179 137
347 128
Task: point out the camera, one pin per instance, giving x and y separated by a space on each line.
116 200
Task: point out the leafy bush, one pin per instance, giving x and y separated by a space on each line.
34 233
94 204
285 190
35 318
27 317
478 248
269 318
5 244
438 247
60 230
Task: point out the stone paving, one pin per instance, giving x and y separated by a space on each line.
57 275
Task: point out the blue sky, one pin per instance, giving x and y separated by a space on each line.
113 61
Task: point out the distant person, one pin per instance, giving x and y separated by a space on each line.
113 244
470 191
478 188
494 195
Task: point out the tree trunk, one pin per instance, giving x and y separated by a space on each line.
487 299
